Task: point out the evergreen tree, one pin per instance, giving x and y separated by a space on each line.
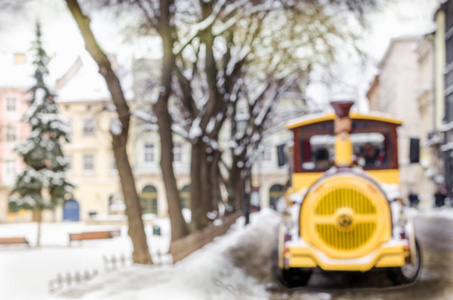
42 184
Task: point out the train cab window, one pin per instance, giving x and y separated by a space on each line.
369 149
322 152
373 146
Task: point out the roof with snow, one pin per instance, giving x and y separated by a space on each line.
82 82
15 70
393 41
72 80
316 118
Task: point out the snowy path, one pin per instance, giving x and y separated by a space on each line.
209 273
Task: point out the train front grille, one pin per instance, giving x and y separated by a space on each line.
345 217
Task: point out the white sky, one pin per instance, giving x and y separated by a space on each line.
396 18
63 41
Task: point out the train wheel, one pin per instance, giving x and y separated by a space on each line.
293 277
407 273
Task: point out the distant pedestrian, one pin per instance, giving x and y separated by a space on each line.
440 196
413 199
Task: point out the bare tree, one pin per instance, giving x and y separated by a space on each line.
245 52
164 24
219 54
119 136
157 18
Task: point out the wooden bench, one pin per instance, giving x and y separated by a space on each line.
93 235
13 240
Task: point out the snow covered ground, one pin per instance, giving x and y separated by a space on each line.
230 267
25 272
234 266
222 269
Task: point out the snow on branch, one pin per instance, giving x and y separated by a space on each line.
199 27
149 14
179 130
116 127
144 116
195 130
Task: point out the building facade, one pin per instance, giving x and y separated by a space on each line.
13 104
404 88
83 99
444 20
430 155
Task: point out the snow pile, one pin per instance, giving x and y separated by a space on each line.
253 250
441 212
220 270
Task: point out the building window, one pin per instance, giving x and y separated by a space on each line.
148 200
11 167
113 166
10 171
19 58
275 193
11 103
89 127
70 129
88 162
148 152
10 133
177 152
69 163
267 154
184 195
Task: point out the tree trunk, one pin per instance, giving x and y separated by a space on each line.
236 185
38 216
198 186
119 142
179 227
216 180
247 183
206 184
239 191
136 230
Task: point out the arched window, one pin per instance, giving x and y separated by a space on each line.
275 193
184 194
148 200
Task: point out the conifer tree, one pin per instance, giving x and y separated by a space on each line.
42 184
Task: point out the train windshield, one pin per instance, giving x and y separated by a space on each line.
373 145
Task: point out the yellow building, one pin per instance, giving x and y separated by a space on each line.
92 165
84 100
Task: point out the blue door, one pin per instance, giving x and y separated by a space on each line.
71 210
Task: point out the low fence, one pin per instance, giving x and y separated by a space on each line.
70 279
183 247
115 262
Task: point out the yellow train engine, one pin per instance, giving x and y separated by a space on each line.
344 208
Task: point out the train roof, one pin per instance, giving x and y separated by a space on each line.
317 118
